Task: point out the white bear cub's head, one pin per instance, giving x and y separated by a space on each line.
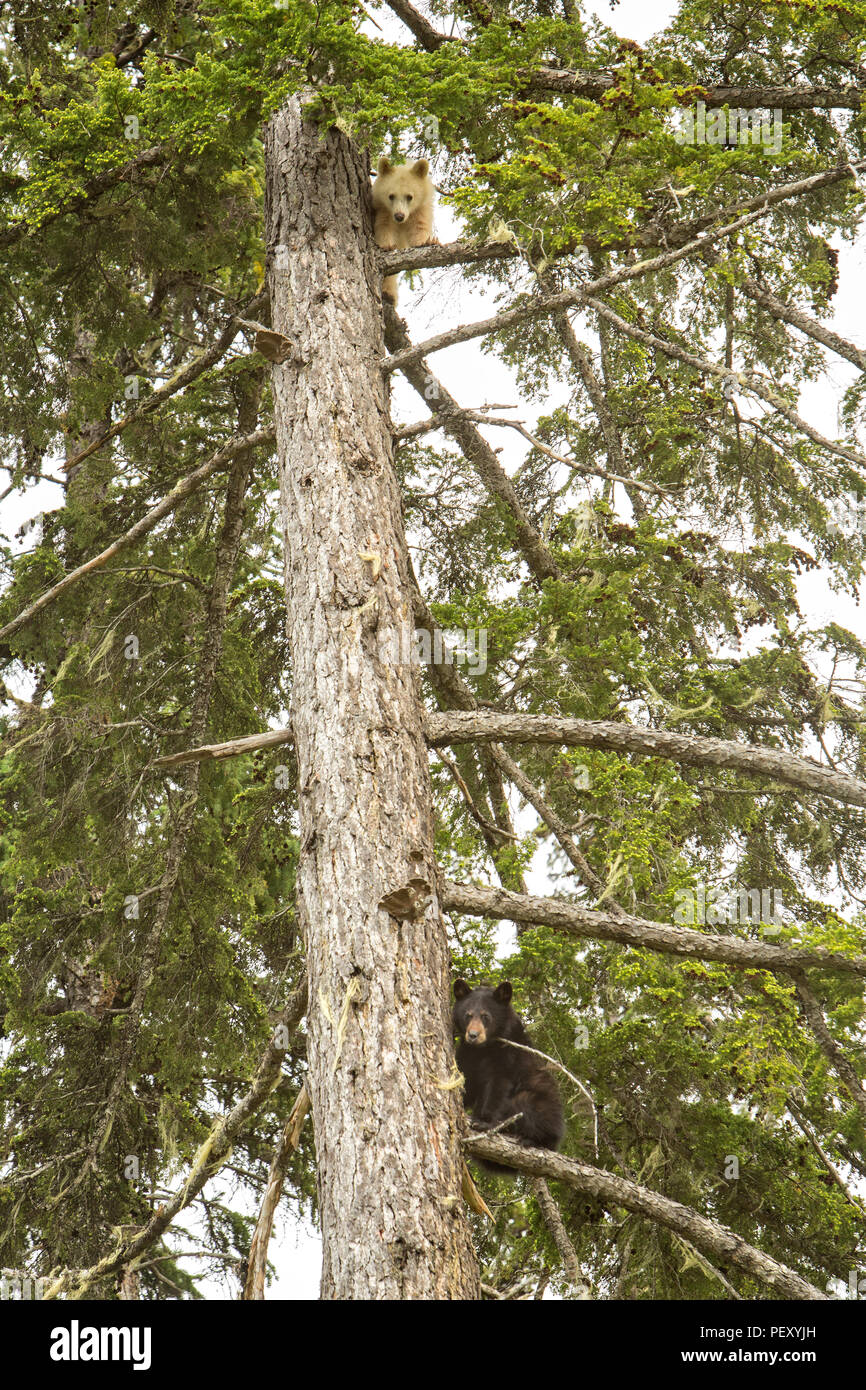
402 189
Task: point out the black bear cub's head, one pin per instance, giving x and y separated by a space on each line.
481 1015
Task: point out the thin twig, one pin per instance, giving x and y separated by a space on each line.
571 1076
496 1128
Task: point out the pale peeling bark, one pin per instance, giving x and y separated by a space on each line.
386 1122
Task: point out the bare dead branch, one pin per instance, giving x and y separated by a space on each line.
209 1159
522 1047
254 1288
497 1129
462 726
552 1219
718 1240
479 453
641 933
447 253
464 791
486 726
435 422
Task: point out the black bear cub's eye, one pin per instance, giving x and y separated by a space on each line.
408 197
485 1019
391 197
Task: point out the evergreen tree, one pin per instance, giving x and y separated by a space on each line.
658 232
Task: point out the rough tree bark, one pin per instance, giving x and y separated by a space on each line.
386 1122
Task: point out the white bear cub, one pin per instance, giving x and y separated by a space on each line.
403 198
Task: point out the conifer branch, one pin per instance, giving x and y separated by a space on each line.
93 189
813 328
182 378
593 86
641 933
814 1016
613 1191
436 422
669 235
566 299
696 750
179 493
747 381
207 662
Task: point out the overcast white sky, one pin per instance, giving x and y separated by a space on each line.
443 300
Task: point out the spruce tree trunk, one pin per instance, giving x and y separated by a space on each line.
387 1129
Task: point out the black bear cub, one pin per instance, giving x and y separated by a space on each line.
501 1080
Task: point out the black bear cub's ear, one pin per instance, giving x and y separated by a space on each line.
461 989
502 993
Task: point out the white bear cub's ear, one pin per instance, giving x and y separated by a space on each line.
421 168
384 165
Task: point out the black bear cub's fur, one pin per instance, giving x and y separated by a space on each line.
502 1080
